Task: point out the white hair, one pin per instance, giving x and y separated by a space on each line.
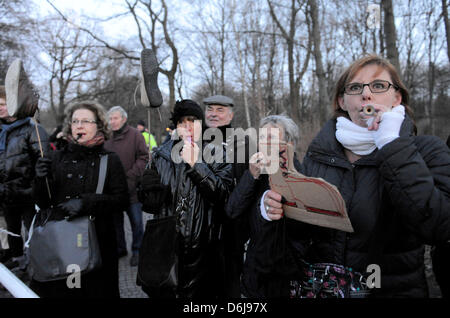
119 109
291 131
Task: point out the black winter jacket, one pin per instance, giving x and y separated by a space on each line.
235 230
18 160
197 192
397 198
257 280
74 174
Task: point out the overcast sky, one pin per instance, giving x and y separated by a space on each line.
93 8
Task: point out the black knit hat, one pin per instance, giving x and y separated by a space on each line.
186 107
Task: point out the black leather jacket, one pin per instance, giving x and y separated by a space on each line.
194 195
18 160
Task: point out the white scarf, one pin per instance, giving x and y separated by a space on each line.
358 139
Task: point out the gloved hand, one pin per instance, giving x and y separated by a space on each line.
151 193
150 181
3 191
389 127
43 166
72 208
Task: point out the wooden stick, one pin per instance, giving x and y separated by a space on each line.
42 153
149 137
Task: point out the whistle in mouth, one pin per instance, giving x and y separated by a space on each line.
369 110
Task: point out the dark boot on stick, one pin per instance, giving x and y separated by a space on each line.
150 93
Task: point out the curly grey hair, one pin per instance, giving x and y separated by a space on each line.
291 131
95 107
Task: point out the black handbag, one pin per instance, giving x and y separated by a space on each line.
53 246
158 260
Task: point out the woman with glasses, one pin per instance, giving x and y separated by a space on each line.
72 174
396 186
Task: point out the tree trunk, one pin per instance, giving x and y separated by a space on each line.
447 26
241 69
390 33
289 38
324 108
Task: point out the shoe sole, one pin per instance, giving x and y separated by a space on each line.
150 93
12 87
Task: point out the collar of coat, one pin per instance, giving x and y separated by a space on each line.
326 148
120 133
83 151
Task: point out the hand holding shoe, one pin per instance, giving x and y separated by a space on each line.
42 167
72 208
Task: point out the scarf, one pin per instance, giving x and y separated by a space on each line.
356 138
119 131
98 139
6 128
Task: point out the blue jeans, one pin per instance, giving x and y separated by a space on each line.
134 213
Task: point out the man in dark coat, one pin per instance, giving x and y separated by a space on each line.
129 144
19 150
235 233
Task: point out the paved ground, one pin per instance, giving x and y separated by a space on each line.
127 274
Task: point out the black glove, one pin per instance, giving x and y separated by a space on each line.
3 191
72 208
43 166
151 193
151 181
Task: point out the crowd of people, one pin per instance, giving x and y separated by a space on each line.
231 238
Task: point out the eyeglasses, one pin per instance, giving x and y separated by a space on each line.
377 86
83 122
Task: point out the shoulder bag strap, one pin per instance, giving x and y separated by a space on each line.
100 185
102 174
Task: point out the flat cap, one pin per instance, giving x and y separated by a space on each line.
219 100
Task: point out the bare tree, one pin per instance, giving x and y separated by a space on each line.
390 33
71 62
320 72
156 16
295 70
15 25
240 59
447 26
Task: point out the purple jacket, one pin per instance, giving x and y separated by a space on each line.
129 144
